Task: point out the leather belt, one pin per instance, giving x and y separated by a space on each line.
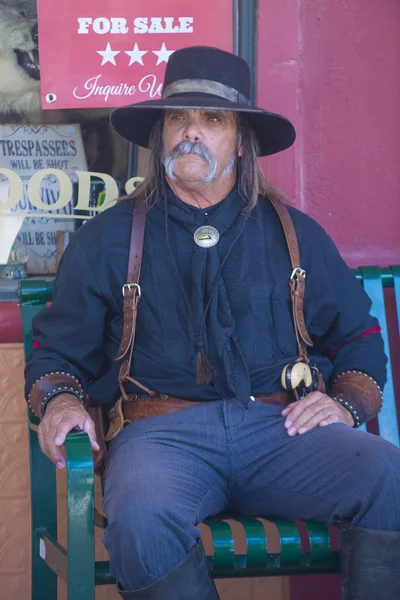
136 407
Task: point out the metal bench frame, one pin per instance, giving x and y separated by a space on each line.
77 566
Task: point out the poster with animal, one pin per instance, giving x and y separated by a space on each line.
20 89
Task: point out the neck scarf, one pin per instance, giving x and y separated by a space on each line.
218 355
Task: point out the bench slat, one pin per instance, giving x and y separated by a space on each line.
320 543
256 541
224 548
290 542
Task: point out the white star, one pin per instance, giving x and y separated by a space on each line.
163 54
108 55
135 55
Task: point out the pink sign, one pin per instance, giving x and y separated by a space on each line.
107 53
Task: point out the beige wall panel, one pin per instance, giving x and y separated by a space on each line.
14 478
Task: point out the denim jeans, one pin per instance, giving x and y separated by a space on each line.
165 474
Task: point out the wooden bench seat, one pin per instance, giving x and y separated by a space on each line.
305 547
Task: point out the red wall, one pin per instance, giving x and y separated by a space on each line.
333 68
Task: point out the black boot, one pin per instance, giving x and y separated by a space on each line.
190 579
370 561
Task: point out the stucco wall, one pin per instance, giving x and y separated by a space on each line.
333 68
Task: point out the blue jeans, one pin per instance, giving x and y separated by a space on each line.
165 474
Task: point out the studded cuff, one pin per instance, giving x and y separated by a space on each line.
359 394
52 384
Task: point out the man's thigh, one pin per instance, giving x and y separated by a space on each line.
163 475
176 463
329 474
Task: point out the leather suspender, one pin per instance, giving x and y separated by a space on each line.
131 293
131 289
297 279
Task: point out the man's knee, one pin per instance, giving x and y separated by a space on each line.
380 460
378 480
150 536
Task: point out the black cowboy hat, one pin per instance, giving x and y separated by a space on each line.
202 77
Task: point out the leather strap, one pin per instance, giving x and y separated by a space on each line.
131 289
174 403
131 295
297 279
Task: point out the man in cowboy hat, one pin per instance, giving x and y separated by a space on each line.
221 350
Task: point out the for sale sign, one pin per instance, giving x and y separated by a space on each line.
108 53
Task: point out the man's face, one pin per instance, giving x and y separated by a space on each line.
199 145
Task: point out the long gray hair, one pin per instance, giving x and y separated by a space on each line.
252 183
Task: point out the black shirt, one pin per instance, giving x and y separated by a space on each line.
248 334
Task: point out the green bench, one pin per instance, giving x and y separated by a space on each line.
299 553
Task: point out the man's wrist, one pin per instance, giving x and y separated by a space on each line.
61 400
354 420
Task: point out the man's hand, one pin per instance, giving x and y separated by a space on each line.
63 414
315 410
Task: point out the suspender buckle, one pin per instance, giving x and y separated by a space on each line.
298 272
131 286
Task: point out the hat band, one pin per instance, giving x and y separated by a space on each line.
204 86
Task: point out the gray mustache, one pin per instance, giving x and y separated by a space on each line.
188 147
196 148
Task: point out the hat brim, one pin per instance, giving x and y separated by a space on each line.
134 123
